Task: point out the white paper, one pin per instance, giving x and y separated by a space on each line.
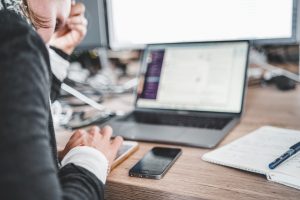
257 150
287 173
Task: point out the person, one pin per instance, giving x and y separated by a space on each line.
30 167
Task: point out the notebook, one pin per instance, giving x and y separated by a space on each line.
256 150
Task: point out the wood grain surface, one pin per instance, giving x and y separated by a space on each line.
192 178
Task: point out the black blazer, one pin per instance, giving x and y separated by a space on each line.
28 158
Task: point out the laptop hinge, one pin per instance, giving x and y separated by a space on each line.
187 113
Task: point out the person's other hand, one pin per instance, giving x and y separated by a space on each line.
96 138
74 31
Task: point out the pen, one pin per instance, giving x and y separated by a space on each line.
293 150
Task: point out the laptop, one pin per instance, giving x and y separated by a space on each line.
189 94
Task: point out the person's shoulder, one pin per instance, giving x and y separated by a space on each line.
11 17
13 25
17 35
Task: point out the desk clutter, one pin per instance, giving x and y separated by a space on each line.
255 151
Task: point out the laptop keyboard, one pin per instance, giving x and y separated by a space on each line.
179 120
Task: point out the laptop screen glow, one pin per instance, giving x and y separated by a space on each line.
195 77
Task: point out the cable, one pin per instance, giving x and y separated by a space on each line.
259 59
100 83
82 97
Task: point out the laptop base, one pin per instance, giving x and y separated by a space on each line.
194 137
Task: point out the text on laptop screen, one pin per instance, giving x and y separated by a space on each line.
197 77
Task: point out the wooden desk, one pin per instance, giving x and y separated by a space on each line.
192 178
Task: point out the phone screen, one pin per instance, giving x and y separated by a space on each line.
124 152
155 163
123 149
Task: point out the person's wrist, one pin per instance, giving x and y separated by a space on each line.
69 50
66 50
89 158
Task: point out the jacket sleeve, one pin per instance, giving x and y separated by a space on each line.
28 170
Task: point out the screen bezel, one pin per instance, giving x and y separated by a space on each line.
112 44
295 30
144 67
102 41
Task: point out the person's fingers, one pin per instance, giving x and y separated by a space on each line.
77 134
117 143
81 30
107 132
91 140
77 9
78 142
77 20
94 130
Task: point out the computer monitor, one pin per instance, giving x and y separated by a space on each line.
96 33
135 23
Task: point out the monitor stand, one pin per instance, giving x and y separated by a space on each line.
103 55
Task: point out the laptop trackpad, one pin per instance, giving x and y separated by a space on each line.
145 132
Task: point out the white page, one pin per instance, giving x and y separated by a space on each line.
287 173
257 150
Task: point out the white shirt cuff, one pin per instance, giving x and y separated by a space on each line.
89 158
59 66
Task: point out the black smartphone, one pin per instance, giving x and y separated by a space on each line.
155 163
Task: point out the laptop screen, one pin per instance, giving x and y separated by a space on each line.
206 77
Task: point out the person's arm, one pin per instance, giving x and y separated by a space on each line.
63 43
68 37
59 66
27 169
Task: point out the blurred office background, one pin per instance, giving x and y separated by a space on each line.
107 61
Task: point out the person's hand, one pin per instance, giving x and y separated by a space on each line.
96 138
69 36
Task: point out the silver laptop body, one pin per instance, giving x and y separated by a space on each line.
189 94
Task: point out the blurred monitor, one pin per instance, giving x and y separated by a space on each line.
135 23
96 33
